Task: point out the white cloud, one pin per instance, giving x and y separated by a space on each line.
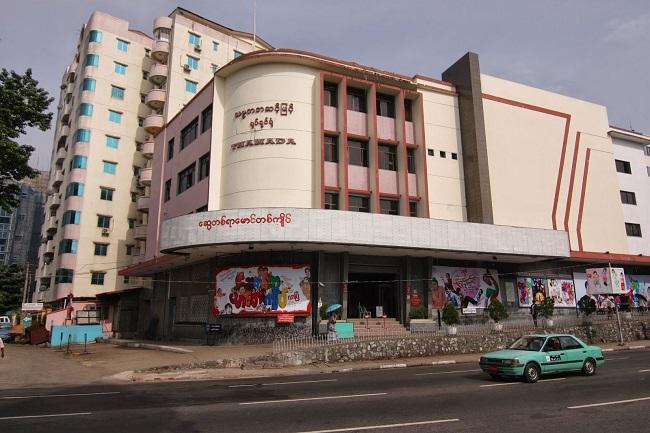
628 29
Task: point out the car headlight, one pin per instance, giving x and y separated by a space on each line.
483 359
511 362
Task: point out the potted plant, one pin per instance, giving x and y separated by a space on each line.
450 318
587 306
418 312
545 309
497 312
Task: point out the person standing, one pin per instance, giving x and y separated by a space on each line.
534 309
331 328
2 348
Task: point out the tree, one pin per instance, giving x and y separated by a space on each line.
12 278
22 105
497 311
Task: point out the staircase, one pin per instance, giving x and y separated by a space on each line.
368 327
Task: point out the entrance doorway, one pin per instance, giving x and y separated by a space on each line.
370 291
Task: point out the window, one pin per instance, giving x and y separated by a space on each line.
193 62
330 97
112 141
145 75
357 100
143 98
236 54
117 92
120 68
647 150
134 197
389 207
138 146
214 67
170 149
97 278
89 84
106 193
79 161
168 189
633 229
385 106
101 249
623 166
215 46
628 197
74 189
95 36
82 135
358 153
331 201
114 116
204 166
161 34
443 154
387 157
131 222
648 170
186 179
68 246
140 121
552 345
129 250
103 221
136 170
63 276
413 208
331 148
359 204
190 86
430 152
408 110
206 119
189 133
92 60
569 343
194 39
454 155
110 167
122 45
86 109
71 217
410 160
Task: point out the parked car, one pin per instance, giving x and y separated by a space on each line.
534 355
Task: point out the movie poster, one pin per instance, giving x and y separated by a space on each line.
261 290
527 288
463 287
562 291
639 286
606 281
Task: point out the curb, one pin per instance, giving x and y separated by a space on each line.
148 346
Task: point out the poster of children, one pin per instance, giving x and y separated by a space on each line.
606 281
465 287
639 286
562 291
527 288
263 289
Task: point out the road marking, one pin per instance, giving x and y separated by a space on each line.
17 397
551 380
45 416
616 359
241 386
373 427
447 372
638 347
381 367
253 377
609 403
643 371
282 383
500 384
443 362
608 350
331 397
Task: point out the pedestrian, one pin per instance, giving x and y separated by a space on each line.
534 309
2 348
331 327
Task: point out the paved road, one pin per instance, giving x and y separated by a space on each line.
452 398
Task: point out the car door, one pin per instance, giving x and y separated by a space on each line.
555 359
574 352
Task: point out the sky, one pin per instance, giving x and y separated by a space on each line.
596 50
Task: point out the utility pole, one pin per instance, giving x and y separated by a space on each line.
26 285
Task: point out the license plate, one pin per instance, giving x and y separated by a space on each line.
493 369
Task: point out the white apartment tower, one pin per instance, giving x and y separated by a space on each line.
118 92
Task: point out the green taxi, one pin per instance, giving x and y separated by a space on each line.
533 355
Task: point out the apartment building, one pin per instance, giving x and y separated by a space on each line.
121 87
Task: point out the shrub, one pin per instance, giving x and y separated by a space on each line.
497 311
546 307
587 305
419 313
450 315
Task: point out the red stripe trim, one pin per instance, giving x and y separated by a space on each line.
425 175
322 140
629 258
582 198
375 145
571 180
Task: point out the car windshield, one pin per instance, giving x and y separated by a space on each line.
528 342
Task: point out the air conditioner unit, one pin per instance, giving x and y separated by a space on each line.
106 232
197 48
186 67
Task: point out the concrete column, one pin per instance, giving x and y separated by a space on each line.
345 267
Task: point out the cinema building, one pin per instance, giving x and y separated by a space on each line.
293 180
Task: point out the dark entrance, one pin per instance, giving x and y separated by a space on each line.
370 291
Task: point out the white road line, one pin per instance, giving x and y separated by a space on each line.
638 347
552 380
281 383
608 350
381 367
609 403
45 416
253 377
241 386
617 359
643 371
373 427
18 397
500 384
331 397
451 361
447 372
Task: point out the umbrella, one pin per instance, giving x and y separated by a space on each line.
333 307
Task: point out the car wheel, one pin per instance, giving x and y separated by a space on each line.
531 372
589 367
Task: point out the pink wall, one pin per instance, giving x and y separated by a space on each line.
331 174
413 184
57 317
388 181
358 178
385 128
410 133
357 123
329 118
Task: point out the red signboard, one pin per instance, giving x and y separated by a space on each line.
285 318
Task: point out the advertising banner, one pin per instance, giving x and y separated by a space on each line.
606 281
262 290
464 287
527 288
562 291
639 286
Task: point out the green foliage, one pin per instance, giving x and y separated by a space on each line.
450 315
12 278
419 313
546 307
587 305
497 311
22 105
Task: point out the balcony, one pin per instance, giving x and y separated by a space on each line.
137 258
357 123
69 88
156 99
137 282
57 179
329 117
153 123
143 204
147 149
140 232
145 176
385 128
410 132
63 135
65 116
51 225
60 155
158 74
54 202
160 51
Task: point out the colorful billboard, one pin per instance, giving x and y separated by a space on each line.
606 281
464 287
639 286
262 290
562 291
527 288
